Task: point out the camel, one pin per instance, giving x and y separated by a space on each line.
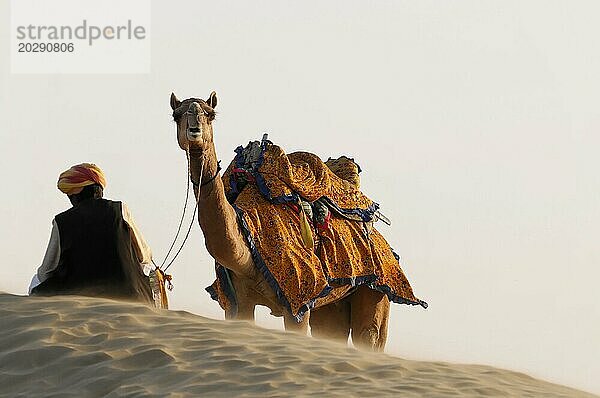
365 311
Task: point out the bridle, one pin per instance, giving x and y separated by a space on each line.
194 118
211 179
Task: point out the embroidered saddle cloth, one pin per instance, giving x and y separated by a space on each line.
281 201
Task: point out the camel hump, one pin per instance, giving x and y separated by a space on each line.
345 168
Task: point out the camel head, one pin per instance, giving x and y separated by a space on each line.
194 118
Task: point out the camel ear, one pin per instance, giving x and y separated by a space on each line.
212 100
174 102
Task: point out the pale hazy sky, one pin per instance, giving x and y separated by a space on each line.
475 122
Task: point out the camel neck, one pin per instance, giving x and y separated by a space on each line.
204 162
212 192
217 218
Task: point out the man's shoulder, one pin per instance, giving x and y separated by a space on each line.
115 205
103 203
63 213
111 202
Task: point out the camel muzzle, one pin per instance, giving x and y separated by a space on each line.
194 122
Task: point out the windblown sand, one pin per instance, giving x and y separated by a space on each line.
84 347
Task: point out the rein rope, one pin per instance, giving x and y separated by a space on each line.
187 194
197 185
159 279
195 209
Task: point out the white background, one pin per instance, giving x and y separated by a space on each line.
475 122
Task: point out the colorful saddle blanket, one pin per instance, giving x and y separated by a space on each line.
274 194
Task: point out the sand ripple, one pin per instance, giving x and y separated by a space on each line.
76 347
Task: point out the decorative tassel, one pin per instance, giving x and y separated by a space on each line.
305 230
159 282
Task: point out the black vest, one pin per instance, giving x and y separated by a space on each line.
96 255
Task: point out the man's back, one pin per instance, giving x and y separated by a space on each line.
96 255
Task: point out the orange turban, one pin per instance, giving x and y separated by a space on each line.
73 180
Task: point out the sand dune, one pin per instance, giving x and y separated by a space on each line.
84 347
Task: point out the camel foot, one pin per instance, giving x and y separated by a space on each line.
367 339
291 325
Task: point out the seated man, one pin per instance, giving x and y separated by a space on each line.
95 248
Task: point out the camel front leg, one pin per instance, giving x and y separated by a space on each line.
332 321
245 311
370 311
291 325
